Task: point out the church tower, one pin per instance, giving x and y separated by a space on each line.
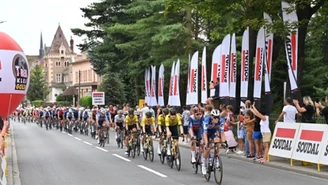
41 50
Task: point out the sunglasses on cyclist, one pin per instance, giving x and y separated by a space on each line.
216 117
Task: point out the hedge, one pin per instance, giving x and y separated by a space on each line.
86 101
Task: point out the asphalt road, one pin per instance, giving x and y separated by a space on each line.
55 158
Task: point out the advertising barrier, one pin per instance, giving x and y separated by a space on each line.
284 139
301 141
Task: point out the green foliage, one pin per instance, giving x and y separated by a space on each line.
126 37
63 103
38 88
114 90
37 103
60 97
86 101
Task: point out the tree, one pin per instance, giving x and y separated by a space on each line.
114 89
38 88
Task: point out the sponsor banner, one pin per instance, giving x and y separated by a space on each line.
171 85
204 79
216 61
291 44
193 86
176 91
323 159
98 98
284 139
244 65
160 89
153 100
309 142
233 68
146 89
224 68
14 72
259 63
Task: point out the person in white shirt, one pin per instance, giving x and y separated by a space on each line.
144 110
289 112
265 130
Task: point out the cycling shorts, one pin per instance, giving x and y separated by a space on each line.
174 131
130 127
120 125
148 129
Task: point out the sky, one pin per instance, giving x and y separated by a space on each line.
27 18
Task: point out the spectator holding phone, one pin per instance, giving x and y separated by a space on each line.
289 112
322 110
307 110
216 87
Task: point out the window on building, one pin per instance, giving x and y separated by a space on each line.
62 52
89 75
58 78
57 63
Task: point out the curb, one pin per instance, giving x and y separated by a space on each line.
321 175
15 175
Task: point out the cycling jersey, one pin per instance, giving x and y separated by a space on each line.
170 123
131 121
195 124
146 122
211 129
161 120
101 120
118 119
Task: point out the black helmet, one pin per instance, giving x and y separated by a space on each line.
166 111
173 112
148 114
131 112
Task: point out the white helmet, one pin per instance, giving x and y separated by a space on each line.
215 112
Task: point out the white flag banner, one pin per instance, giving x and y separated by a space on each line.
244 75
188 84
204 78
149 86
268 47
233 68
216 62
153 100
176 91
259 63
146 86
171 98
193 91
160 89
291 44
224 68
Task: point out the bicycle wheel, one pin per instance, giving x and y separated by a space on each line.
162 156
151 151
195 165
138 146
133 151
218 170
169 160
209 170
177 159
145 154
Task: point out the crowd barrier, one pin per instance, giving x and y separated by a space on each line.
301 142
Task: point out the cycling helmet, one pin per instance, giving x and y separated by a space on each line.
195 110
165 111
173 112
126 113
119 112
131 112
148 114
215 112
102 111
137 113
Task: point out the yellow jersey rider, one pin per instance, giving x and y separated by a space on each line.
131 124
148 127
161 128
172 121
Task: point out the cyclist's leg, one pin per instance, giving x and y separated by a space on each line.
193 145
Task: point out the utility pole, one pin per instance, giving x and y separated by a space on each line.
2 22
79 96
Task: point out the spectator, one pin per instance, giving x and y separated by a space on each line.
289 112
265 131
241 132
208 110
249 121
257 136
159 110
307 111
228 128
185 118
324 110
144 110
216 87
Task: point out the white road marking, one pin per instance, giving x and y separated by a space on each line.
123 158
77 138
70 135
87 143
102 149
153 171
